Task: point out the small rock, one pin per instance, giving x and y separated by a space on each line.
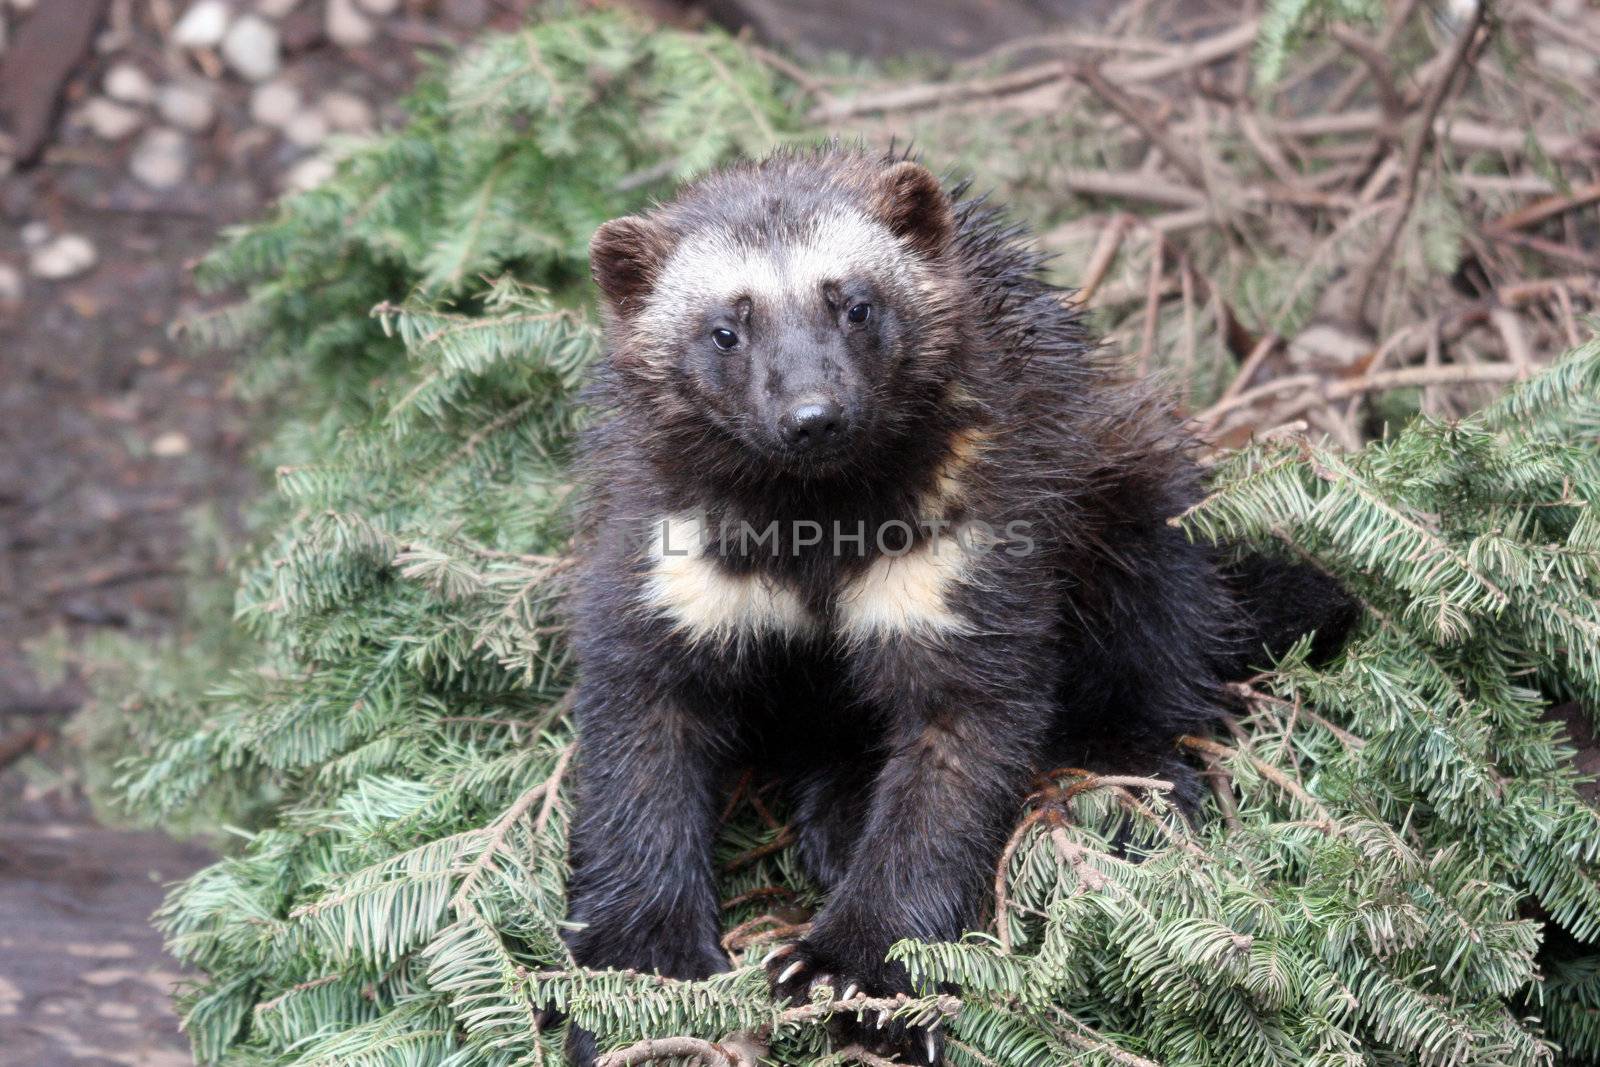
251 48
468 14
128 84
347 112
204 25
307 129
171 443
276 9
381 7
186 106
161 158
308 174
347 26
35 233
23 5
66 256
109 120
10 285
275 104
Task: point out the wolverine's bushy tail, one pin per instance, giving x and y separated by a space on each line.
1280 602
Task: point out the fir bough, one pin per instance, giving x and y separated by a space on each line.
1397 838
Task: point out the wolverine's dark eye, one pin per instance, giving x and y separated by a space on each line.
858 313
724 338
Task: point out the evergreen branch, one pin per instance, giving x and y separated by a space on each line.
1272 774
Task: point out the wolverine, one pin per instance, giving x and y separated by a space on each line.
866 507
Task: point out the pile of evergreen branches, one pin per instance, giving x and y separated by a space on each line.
1398 868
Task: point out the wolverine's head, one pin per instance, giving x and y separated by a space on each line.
801 307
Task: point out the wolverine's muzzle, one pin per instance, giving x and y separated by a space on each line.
816 424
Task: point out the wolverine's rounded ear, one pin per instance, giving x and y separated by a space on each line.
625 255
913 205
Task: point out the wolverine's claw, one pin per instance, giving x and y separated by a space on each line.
850 991
932 1050
777 954
883 1018
789 971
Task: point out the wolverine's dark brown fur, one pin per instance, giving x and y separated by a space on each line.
833 337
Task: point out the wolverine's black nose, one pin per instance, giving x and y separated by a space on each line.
812 424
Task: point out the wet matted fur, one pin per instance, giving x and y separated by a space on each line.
995 588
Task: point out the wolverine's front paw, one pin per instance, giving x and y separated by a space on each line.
796 970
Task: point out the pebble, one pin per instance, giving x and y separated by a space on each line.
203 26
161 158
347 112
251 48
10 285
347 26
66 256
109 120
172 443
308 174
307 129
275 104
381 7
186 106
276 9
129 85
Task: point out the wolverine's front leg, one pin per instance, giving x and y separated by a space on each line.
649 764
967 722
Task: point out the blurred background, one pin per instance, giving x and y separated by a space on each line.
1332 226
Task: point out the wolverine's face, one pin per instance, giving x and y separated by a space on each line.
789 322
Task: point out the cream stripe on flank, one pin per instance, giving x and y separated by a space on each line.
705 599
905 595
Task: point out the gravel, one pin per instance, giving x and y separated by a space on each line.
128 84
347 112
308 174
109 120
186 106
347 26
307 129
203 26
275 104
66 256
251 48
11 285
161 158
